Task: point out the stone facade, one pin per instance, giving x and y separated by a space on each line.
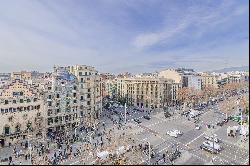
90 91
146 92
22 110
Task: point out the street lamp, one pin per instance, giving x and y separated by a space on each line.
125 113
29 144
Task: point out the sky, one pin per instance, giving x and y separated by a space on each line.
124 35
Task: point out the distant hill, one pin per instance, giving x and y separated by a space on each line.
242 68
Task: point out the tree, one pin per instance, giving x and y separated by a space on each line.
106 105
227 106
183 95
244 103
122 101
209 91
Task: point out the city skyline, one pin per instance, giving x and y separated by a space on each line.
119 36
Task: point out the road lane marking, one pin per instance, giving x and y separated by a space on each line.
195 139
246 161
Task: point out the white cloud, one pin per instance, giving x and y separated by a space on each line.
203 17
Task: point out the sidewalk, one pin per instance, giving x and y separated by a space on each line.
184 157
243 144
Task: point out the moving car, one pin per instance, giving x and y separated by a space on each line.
178 132
194 113
197 127
174 133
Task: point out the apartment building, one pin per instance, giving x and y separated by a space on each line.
171 74
90 92
108 85
145 91
176 77
4 78
192 81
22 112
24 75
62 101
209 80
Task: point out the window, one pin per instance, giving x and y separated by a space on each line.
88 90
49 97
74 94
6 102
88 103
49 112
49 103
21 100
86 73
88 96
80 73
57 95
81 97
14 101
81 79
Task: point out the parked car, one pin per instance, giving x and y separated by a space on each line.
172 134
212 145
167 114
174 155
220 123
137 120
147 117
209 149
185 113
210 138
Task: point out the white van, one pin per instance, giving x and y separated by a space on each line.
103 155
211 145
